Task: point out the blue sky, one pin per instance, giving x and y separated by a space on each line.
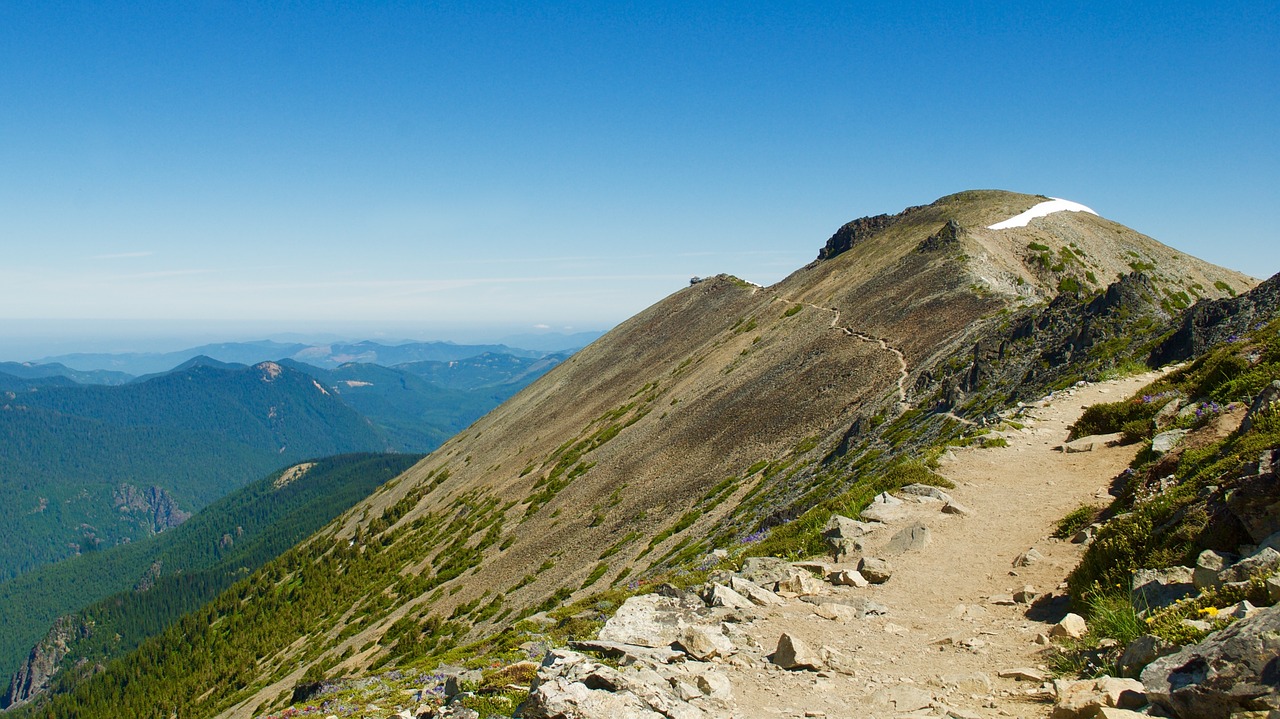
424 168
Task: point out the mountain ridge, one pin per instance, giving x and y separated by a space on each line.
723 410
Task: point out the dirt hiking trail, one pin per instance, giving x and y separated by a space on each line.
951 627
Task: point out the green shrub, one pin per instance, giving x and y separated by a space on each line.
1076 520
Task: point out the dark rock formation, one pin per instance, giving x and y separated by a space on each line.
34 676
947 237
858 230
155 507
1212 321
1236 669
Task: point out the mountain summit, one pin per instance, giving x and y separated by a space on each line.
723 410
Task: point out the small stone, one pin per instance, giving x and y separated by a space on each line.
1273 589
800 583
1026 595
705 642
838 660
1003 600
722 596
1072 625
954 507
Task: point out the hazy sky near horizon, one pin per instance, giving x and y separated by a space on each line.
568 164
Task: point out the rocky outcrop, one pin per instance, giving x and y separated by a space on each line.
155 507
34 676
1210 322
945 238
851 233
1234 670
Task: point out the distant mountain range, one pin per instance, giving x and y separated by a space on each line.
88 466
117 368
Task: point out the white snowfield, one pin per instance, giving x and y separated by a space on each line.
1044 208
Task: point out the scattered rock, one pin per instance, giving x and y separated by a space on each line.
1155 588
754 592
1026 595
1083 698
1002 600
630 653
954 507
1273 589
884 508
1072 626
1024 674
1079 446
792 653
1027 558
1233 670
1266 561
847 578
926 490
908 539
875 570
570 684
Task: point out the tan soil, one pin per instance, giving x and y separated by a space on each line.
1017 494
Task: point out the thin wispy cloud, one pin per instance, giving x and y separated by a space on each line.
122 255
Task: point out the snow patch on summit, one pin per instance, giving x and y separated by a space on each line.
1054 204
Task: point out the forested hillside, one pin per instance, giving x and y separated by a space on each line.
156 580
78 464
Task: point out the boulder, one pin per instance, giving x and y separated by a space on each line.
1026 595
722 596
875 570
1256 500
649 620
841 527
1264 562
1072 626
847 578
1155 588
1234 670
1208 564
755 593
846 550
1265 402
1081 699
1027 558
1273 589
570 684
792 653
908 539
1142 651
801 583
1167 440
763 570
838 660
703 642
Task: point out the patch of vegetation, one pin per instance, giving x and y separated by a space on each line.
1076 520
792 311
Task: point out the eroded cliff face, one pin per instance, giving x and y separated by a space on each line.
34 677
